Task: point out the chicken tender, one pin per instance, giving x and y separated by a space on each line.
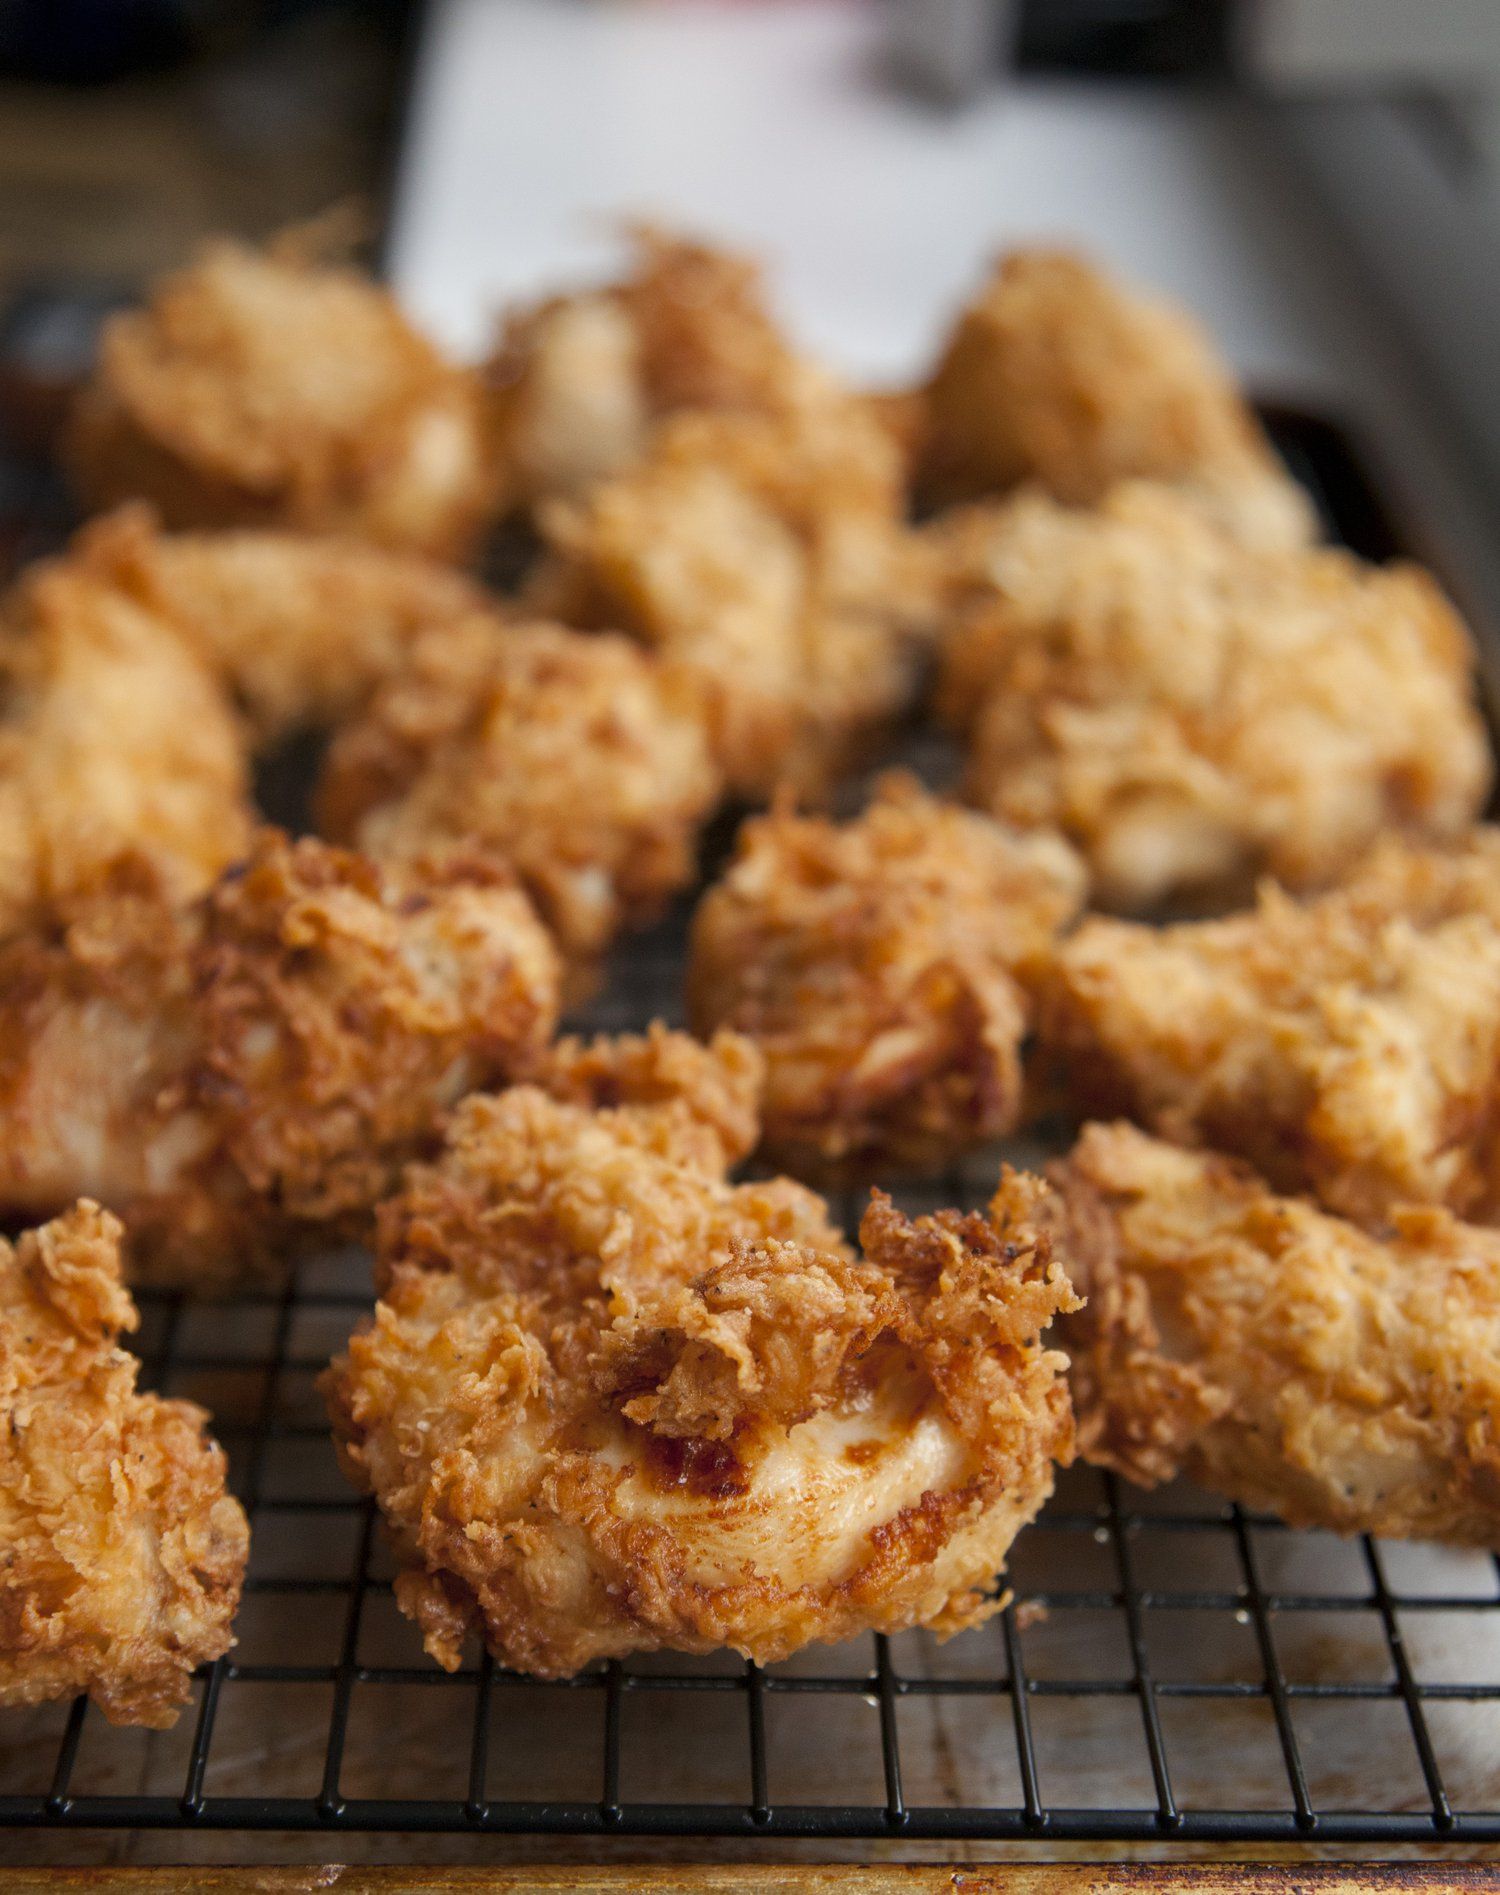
277 389
579 381
1057 375
611 1403
300 627
1191 713
114 739
124 1556
1277 1355
247 1077
580 761
766 552
1348 1046
875 963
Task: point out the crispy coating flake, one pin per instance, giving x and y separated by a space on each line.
276 389
1349 1046
766 552
578 381
612 1403
248 1076
300 627
875 964
1191 712
114 739
1057 375
123 1555
578 760
1278 1355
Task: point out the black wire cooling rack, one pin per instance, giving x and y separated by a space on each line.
1169 1667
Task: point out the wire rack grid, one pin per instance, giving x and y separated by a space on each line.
1169 1667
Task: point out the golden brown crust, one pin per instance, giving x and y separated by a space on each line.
299 626
248 1076
123 1555
765 551
1057 375
579 761
114 739
1276 1354
610 1402
1348 1045
577 382
1191 712
260 389
880 966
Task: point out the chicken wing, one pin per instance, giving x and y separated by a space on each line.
247 1076
1276 1354
275 388
124 1555
1058 375
611 1403
578 760
875 964
1190 712
1348 1046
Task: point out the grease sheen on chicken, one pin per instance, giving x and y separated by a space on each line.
610 1402
123 1554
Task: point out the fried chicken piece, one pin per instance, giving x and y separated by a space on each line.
1191 712
300 627
1276 1354
611 1403
765 551
114 738
247 1077
1058 375
875 964
277 389
1348 1046
578 760
578 381
124 1556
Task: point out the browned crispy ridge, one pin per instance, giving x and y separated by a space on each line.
1058 375
271 388
1277 1354
579 760
250 1074
1190 711
1348 1045
875 963
610 1402
123 1555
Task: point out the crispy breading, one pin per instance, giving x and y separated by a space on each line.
875 963
577 382
1276 1354
577 759
1348 1046
114 738
277 389
767 552
299 626
611 1403
1191 712
246 1077
123 1554
1056 374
